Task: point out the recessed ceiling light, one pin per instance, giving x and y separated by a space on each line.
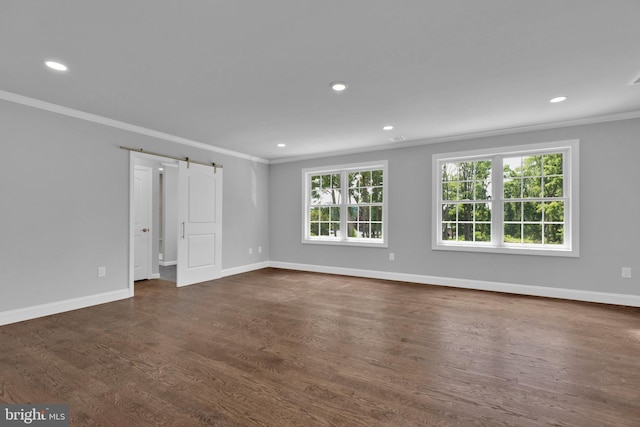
160 169
558 99
281 145
56 65
387 127
338 86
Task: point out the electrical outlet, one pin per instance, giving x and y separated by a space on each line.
102 271
250 251
259 249
392 256
626 272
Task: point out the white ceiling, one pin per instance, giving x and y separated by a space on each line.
245 75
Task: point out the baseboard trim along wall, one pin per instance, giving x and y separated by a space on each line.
539 291
245 268
28 313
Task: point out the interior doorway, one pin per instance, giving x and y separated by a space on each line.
168 220
162 225
142 220
186 225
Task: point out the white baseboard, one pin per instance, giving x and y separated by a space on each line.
245 268
540 291
28 313
154 276
167 263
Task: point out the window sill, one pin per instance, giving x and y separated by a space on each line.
360 243
509 250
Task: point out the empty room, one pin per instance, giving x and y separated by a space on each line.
320 213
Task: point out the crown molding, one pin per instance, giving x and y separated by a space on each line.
70 112
467 136
82 115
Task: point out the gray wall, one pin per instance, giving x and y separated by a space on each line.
64 185
609 205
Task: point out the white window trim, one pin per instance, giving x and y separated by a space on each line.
571 187
345 241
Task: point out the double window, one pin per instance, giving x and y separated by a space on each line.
519 200
346 204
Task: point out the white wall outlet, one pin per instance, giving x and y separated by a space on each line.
626 272
102 271
259 249
250 251
392 256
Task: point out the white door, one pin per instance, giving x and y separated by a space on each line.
200 223
142 200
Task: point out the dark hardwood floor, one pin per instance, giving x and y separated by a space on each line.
278 348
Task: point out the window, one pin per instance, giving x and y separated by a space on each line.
346 205
516 200
466 201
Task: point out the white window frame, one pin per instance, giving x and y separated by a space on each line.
344 240
571 156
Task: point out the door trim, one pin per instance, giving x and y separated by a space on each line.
132 168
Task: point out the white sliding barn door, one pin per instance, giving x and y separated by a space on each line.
200 223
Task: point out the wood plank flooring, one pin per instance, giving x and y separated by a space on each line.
283 348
